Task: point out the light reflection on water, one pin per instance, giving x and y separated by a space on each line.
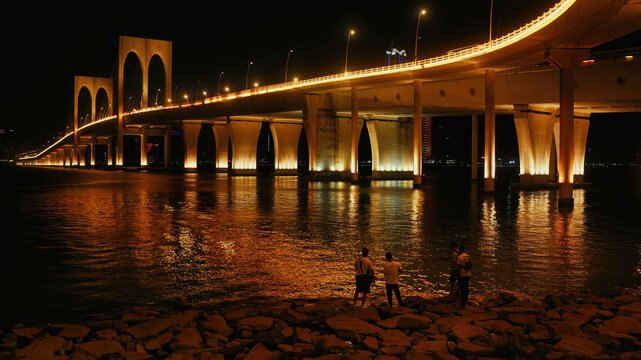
96 241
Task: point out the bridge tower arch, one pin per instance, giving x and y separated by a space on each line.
145 50
93 85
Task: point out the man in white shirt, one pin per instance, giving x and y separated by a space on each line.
364 276
391 269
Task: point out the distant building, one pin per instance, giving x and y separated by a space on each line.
7 146
395 56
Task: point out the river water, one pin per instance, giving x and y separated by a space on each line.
85 243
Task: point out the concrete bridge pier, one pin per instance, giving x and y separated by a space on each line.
82 155
286 136
143 145
354 138
110 161
581 126
566 60
61 157
93 151
392 151
490 134
244 140
534 131
68 155
417 133
190 136
167 147
221 135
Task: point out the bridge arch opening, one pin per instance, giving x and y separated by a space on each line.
265 152
303 152
132 83
230 155
364 152
84 106
206 148
156 82
102 107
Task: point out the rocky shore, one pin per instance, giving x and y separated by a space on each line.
502 326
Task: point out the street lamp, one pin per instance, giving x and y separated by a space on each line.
218 88
205 94
255 84
157 91
226 88
287 63
186 98
491 9
247 77
349 35
418 23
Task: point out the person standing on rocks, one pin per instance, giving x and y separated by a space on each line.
391 269
364 276
464 274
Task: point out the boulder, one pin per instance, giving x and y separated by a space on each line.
466 348
42 348
412 321
503 298
494 326
522 319
106 334
135 355
183 319
344 322
330 343
578 319
632 355
293 317
159 341
552 315
624 324
632 307
101 348
396 351
468 331
626 299
394 337
74 331
303 335
216 323
431 346
371 343
442 308
187 338
579 345
370 313
148 328
260 352
257 323
29 333
303 349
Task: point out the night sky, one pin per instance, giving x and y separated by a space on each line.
43 50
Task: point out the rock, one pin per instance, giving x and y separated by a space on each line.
148 328
633 355
559 329
467 331
553 301
624 324
216 323
260 352
303 335
133 318
579 345
106 334
134 355
632 307
8 345
412 321
293 317
29 333
257 323
371 343
232 348
431 346
326 357
101 348
389 323
184 318
494 326
397 351
43 348
552 315
348 323
522 319
626 299
394 337
74 331
445 324
370 314
466 348
578 320
322 308
177 356
187 338
442 308
330 343
503 298
303 349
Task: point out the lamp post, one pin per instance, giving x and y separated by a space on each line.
418 23
491 9
349 35
247 77
157 91
219 77
287 63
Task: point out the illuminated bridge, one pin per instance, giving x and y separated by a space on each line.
543 73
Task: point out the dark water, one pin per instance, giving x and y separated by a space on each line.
80 243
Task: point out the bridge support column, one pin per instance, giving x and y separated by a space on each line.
60 156
286 147
354 137
244 138
221 133
566 60
110 160
82 155
475 148
581 126
534 131
167 148
143 145
417 133
93 151
490 140
393 150
190 136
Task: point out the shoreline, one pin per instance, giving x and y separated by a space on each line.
499 325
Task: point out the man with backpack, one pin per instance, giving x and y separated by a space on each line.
364 276
464 273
